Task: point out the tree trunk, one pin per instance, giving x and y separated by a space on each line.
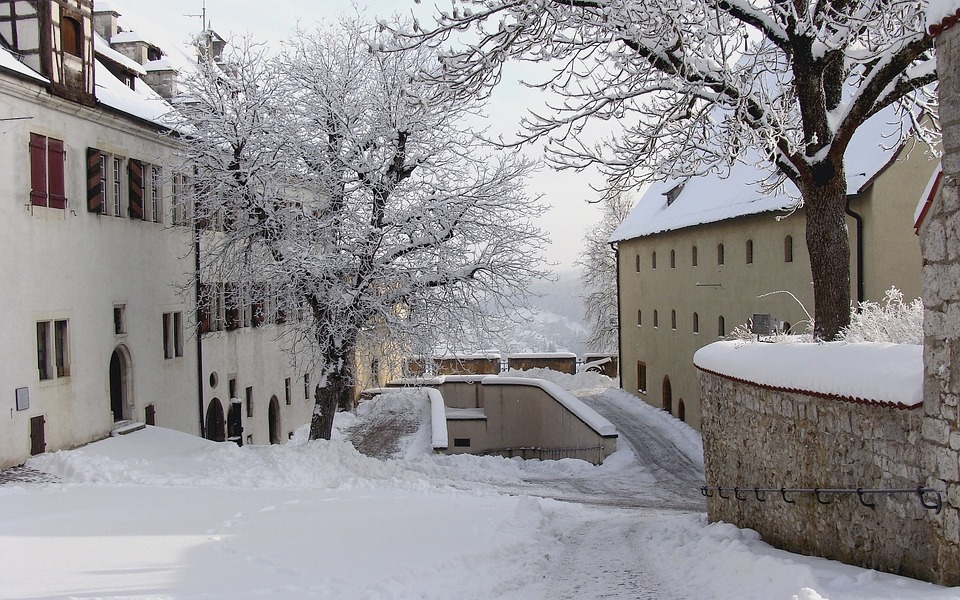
333 392
828 244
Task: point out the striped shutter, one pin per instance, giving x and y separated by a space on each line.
94 181
38 170
56 179
135 179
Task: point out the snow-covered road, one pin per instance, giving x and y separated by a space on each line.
160 514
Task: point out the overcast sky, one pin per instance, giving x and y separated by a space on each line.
566 192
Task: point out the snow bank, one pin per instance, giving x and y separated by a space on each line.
864 372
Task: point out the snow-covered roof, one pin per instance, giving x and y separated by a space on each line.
162 64
128 36
926 199
863 372
740 192
9 61
142 102
102 47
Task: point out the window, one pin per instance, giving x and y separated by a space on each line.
156 198
788 249
249 398
47 167
117 172
178 334
119 319
638 263
135 193
56 363
639 318
653 260
721 327
719 254
673 259
71 36
172 334
656 319
693 256
180 213
696 323
673 319
749 252
306 386
43 350
288 391
642 377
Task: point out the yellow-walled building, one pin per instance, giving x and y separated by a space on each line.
698 257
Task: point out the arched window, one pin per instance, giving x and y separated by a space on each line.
71 36
638 263
721 327
673 319
749 252
693 256
696 323
719 254
639 318
681 410
653 260
667 395
656 319
673 259
788 249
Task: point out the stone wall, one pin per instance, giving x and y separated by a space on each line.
940 247
758 437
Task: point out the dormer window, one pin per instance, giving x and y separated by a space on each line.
71 36
674 193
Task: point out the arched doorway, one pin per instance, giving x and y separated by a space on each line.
119 388
235 423
216 430
273 417
667 395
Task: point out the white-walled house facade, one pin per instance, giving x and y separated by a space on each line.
98 264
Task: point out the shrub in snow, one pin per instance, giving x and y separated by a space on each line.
890 321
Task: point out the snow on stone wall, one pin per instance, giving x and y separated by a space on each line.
755 436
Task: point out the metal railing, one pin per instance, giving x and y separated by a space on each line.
929 498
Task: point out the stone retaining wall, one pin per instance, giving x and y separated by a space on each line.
757 437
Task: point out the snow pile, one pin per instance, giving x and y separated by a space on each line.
870 372
578 382
158 456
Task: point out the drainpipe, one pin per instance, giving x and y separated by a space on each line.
859 248
196 281
616 258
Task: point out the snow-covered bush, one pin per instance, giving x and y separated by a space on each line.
890 321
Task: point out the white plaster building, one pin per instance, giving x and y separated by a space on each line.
98 259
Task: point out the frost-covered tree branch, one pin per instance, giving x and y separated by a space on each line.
696 86
352 192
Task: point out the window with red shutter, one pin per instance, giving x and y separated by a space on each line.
135 180
96 180
38 170
56 164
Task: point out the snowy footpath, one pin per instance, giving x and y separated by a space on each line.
162 515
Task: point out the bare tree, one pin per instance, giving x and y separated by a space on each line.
697 84
356 197
598 274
